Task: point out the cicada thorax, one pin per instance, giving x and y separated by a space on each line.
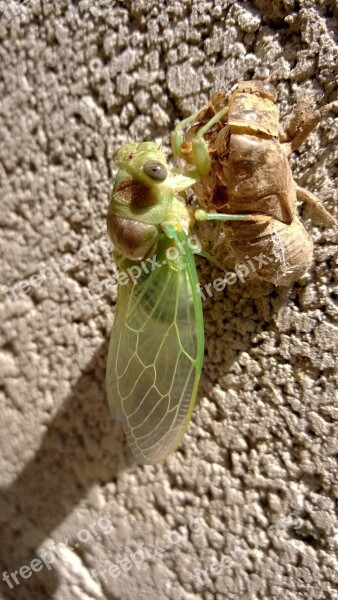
132 238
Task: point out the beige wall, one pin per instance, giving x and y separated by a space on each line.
255 480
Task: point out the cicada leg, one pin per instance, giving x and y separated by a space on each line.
212 260
203 215
200 151
303 121
312 200
177 137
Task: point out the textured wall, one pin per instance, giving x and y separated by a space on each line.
255 481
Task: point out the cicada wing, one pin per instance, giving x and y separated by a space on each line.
155 359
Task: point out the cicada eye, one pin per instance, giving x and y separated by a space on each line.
155 170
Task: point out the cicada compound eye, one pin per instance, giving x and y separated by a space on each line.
155 170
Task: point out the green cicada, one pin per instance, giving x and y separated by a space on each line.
157 340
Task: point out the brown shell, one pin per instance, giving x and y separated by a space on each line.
260 178
287 248
252 114
250 174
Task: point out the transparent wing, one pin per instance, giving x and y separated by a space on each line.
155 358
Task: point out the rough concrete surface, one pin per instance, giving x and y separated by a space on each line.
254 483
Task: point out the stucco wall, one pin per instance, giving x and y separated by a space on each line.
78 79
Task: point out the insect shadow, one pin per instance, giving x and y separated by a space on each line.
82 446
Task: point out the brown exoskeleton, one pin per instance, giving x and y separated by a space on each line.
237 152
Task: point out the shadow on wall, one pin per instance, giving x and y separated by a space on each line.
83 445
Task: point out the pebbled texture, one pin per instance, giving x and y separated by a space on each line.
255 480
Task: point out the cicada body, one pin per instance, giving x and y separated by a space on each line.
157 339
248 172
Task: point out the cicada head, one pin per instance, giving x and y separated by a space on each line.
144 161
263 89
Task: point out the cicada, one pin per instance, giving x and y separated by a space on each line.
157 340
237 150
